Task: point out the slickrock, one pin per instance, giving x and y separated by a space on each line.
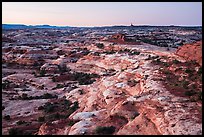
191 52
119 89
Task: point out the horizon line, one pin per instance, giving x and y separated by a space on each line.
100 26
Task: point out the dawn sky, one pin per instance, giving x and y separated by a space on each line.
102 13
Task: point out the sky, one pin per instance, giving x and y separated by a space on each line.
91 14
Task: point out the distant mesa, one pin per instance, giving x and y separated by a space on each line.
22 26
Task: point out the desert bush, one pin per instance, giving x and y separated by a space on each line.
176 61
49 107
15 131
6 84
184 84
132 83
134 52
110 52
165 64
71 122
134 115
20 122
75 106
7 117
200 95
53 79
190 93
24 96
189 71
199 71
105 130
100 45
48 96
40 108
42 72
41 119
84 78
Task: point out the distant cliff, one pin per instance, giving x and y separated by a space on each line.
21 26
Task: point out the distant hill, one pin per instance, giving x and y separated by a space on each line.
21 26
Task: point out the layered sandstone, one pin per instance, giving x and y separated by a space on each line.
191 52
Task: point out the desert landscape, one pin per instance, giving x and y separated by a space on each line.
101 81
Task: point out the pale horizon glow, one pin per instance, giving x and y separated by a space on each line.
89 14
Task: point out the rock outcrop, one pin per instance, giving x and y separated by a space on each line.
191 52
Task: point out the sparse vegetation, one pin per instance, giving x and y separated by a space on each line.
60 109
15 131
84 78
6 84
49 107
20 122
41 119
132 82
189 71
134 115
200 70
42 73
190 93
175 61
100 45
7 117
72 122
81 91
105 130
58 86
110 52
134 52
24 96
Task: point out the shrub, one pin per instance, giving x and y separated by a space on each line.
105 130
184 84
2 108
48 96
190 93
71 122
132 83
100 45
81 92
176 61
199 71
110 52
53 79
7 117
75 106
6 84
24 96
41 119
200 95
49 107
20 122
84 78
165 64
59 86
15 131
135 114
40 108
167 72
42 72
189 71
134 52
